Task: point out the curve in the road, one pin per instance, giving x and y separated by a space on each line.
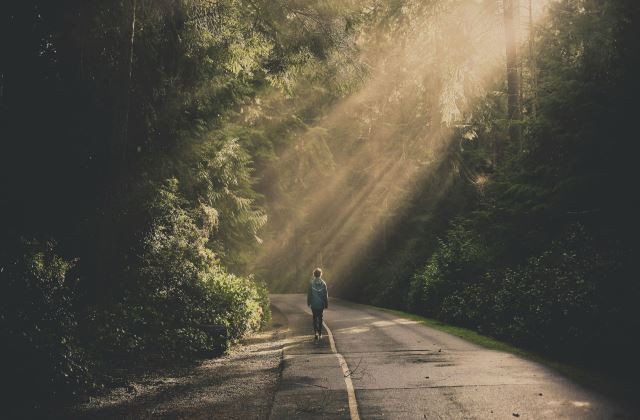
408 370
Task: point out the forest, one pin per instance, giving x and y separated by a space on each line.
166 164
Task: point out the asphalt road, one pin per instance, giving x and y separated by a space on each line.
400 369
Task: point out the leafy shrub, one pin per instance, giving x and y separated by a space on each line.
239 302
560 301
179 290
42 357
459 260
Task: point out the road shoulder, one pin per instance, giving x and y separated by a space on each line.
238 385
595 381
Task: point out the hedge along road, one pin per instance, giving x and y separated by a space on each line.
400 368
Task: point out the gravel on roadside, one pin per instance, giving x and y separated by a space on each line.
238 385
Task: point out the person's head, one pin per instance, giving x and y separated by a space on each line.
317 272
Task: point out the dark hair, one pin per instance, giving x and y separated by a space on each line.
317 272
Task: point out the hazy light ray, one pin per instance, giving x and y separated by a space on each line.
357 245
354 241
343 174
353 225
340 220
343 217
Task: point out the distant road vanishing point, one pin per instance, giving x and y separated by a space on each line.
373 364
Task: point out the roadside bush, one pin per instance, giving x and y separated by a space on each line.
240 303
459 260
41 355
560 301
167 304
179 290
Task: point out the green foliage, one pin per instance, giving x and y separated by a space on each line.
555 302
137 151
217 176
242 306
535 247
178 290
459 260
39 323
142 145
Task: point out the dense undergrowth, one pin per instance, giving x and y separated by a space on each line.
177 302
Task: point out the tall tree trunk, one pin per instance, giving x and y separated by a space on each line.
122 90
127 84
511 24
532 63
110 236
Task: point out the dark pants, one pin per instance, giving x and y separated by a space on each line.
317 320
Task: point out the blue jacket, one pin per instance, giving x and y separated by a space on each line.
318 296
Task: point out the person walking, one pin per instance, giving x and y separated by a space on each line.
317 300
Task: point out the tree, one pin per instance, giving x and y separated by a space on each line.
511 26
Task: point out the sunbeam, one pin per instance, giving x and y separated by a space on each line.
380 144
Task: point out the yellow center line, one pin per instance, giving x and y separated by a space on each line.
351 394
